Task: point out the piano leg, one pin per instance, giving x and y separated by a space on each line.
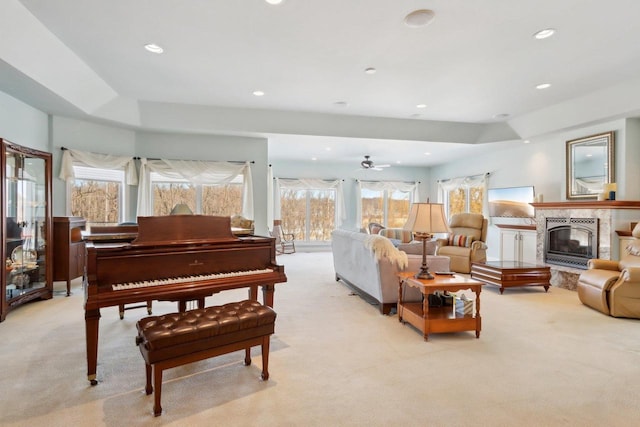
92 321
253 292
267 295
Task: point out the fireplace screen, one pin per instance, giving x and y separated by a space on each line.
571 241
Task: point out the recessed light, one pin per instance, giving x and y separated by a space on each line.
543 34
526 141
314 158
543 86
370 70
427 153
419 18
421 106
154 48
589 155
398 162
274 1
258 93
328 148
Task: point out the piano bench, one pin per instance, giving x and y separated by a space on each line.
176 339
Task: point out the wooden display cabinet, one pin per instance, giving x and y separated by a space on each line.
69 255
26 226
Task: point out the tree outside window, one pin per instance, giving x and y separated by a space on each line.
308 214
97 195
387 207
464 194
218 200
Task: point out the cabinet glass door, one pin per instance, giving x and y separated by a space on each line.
25 201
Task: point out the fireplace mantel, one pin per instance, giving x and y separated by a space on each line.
590 204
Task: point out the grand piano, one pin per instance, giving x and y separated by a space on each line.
174 258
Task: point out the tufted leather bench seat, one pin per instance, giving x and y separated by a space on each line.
176 339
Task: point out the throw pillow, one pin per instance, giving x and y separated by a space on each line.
633 250
460 240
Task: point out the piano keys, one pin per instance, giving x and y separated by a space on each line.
175 258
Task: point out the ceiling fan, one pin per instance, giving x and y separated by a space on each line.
367 163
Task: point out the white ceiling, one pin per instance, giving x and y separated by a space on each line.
476 60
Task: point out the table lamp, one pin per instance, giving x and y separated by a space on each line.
181 209
425 219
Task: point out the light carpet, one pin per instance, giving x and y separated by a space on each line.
542 359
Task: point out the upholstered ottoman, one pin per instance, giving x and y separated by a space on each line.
176 339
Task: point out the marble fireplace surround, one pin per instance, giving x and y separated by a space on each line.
612 215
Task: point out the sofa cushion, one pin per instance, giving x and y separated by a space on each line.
404 236
415 247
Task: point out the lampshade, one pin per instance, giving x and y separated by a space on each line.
427 218
181 209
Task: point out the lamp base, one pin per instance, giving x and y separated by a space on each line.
424 274
424 269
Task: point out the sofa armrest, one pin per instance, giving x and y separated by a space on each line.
442 242
478 245
631 274
602 264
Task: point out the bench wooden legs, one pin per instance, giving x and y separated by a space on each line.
159 367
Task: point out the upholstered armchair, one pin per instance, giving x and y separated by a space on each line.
466 242
613 287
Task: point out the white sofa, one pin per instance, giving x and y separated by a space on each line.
375 279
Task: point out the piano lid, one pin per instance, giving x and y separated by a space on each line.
182 229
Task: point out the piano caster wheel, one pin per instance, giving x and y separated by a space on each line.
93 382
264 376
149 311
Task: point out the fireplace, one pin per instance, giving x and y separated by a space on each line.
570 242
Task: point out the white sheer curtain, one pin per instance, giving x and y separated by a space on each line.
196 172
381 186
270 196
310 184
97 160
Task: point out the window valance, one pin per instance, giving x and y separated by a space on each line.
97 160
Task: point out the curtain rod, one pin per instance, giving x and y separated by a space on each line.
321 179
486 174
405 182
228 161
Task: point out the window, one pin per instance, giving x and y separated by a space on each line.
461 200
220 200
97 195
464 195
310 214
385 204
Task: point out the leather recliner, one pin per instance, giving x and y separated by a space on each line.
472 229
613 287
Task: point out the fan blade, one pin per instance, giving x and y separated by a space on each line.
383 166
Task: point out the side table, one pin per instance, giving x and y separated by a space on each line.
438 319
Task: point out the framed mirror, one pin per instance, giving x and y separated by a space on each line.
590 165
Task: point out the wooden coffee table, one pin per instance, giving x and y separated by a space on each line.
438 319
507 274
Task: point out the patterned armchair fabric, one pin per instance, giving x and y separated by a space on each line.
403 236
